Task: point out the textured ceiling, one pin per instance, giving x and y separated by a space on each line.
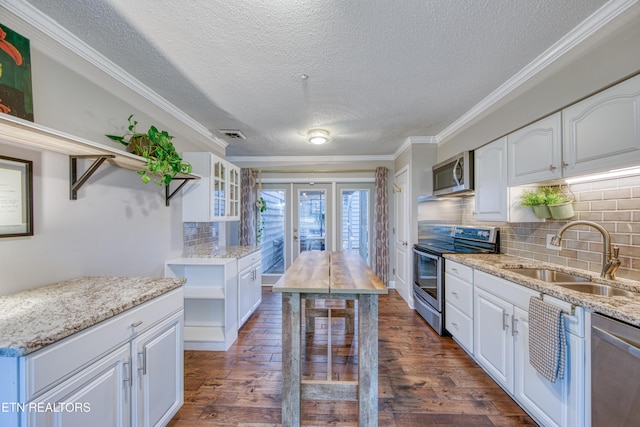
378 71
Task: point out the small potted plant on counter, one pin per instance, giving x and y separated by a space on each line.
163 160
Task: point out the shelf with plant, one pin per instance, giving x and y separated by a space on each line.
163 162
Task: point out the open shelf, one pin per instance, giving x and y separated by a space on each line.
203 292
24 133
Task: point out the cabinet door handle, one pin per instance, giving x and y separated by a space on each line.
505 320
143 358
552 168
136 324
454 293
514 326
127 372
455 270
455 324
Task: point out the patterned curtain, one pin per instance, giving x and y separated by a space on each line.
381 227
248 215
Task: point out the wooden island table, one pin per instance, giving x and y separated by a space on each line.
330 275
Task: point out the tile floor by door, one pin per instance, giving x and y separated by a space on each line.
424 379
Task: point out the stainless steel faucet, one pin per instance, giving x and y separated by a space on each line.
610 261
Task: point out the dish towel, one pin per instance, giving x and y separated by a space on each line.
547 339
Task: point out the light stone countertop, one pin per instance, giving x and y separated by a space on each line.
36 318
622 308
210 251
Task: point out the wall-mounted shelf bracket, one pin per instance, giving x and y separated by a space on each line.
168 194
74 182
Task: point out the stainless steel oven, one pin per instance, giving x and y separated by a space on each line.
428 273
434 241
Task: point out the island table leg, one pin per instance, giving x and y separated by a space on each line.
291 357
368 360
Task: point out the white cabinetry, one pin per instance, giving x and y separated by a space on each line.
553 404
124 371
210 301
249 286
535 152
459 303
494 200
602 132
501 347
215 197
490 165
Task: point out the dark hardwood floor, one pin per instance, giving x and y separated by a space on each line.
424 379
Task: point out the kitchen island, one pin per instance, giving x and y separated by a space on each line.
330 275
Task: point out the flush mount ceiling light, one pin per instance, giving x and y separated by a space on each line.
318 136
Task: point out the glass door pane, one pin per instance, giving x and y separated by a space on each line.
354 219
312 224
311 218
271 231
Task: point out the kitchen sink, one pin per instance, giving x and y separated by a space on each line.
598 289
550 276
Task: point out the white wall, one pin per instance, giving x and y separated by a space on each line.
118 226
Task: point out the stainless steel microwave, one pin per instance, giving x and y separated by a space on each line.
454 176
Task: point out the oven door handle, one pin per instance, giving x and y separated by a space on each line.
424 254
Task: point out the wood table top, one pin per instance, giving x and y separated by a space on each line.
330 272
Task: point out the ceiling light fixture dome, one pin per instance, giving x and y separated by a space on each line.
318 136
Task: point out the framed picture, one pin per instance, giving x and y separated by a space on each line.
16 197
16 94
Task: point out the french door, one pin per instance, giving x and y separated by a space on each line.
306 217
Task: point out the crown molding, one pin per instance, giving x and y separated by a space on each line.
414 140
57 36
571 40
283 160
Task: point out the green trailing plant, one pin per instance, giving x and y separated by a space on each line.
156 146
261 206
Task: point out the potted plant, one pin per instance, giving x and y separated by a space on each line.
536 199
163 160
261 206
560 206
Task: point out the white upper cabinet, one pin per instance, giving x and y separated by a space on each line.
535 152
215 197
602 132
490 168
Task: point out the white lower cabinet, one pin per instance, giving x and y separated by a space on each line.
102 392
137 383
249 286
210 301
501 347
157 382
459 303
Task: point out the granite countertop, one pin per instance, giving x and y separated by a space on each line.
210 251
622 308
36 318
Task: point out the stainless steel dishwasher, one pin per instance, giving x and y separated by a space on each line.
615 373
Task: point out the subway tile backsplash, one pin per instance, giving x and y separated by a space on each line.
614 204
199 235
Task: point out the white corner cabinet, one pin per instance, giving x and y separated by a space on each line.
216 196
210 301
249 286
501 347
125 371
597 134
494 200
219 296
